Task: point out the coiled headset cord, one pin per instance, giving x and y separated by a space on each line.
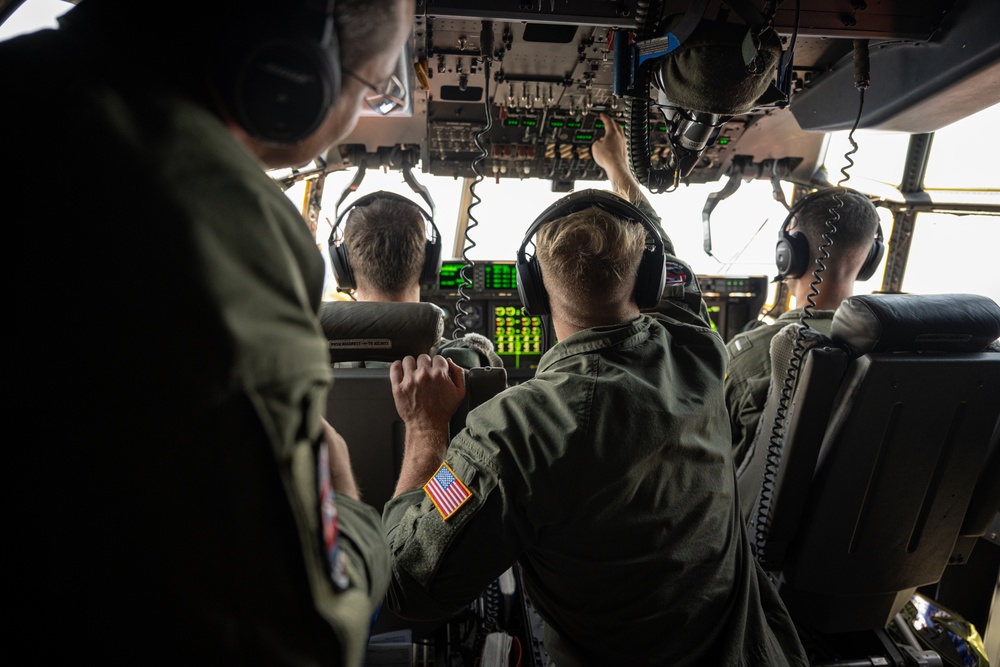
461 312
775 447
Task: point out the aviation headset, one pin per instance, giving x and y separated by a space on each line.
650 276
280 72
792 252
340 263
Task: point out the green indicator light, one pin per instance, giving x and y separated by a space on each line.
530 122
723 141
556 123
513 121
574 123
661 127
598 125
584 136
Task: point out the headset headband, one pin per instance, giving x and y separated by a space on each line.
361 202
579 201
793 251
651 272
337 249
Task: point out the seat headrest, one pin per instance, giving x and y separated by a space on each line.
916 323
368 331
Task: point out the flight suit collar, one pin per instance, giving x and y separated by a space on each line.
597 338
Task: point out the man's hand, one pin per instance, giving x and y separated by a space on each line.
609 150
427 390
610 155
341 475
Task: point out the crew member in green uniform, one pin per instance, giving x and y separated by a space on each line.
853 253
184 500
608 477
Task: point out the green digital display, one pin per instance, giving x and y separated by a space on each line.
512 121
599 125
661 127
450 277
556 123
584 136
529 122
574 124
516 334
723 141
502 277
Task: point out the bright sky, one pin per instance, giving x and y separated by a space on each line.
948 254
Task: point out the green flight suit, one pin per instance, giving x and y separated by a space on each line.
177 382
609 478
749 375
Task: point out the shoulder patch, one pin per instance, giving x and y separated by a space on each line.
676 274
739 345
446 491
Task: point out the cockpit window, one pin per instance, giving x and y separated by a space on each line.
964 154
32 16
880 158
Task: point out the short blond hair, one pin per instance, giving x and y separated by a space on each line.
590 255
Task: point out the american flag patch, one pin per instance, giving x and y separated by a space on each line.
446 491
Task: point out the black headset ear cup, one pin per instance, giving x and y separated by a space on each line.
650 279
340 264
432 258
530 287
791 253
279 72
874 258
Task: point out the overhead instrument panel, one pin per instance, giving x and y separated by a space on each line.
552 71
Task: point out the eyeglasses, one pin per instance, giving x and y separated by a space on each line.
385 99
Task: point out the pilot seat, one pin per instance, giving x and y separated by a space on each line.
875 464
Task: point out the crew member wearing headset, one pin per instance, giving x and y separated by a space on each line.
382 249
184 499
608 476
854 251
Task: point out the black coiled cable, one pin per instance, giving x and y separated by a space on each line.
647 17
461 314
491 616
775 445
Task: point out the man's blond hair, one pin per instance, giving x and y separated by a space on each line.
590 257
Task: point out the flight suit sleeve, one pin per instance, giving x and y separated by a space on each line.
746 385
441 564
361 536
